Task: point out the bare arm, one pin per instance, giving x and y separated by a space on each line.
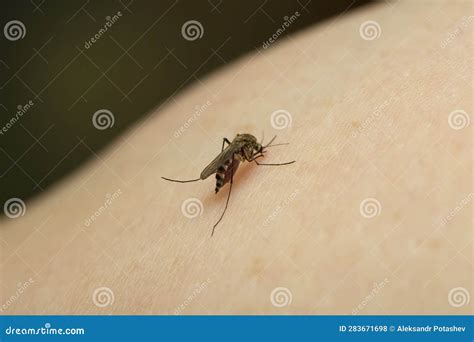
361 223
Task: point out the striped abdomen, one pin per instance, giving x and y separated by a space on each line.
225 172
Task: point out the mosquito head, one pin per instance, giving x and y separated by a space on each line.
248 144
245 138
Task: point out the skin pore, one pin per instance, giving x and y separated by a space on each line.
374 217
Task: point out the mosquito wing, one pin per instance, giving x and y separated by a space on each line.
226 154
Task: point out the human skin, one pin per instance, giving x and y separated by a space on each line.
369 119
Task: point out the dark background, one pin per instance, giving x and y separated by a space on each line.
136 65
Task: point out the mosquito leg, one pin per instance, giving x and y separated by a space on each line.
225 140
279 164
261 155
228 196
181 181
256 157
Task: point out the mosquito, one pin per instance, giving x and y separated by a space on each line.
244 147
